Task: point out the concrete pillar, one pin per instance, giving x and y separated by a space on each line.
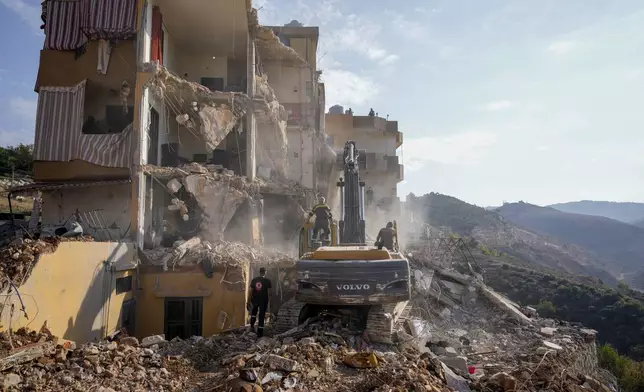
251 122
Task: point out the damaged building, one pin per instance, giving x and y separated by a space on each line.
162 131
382 170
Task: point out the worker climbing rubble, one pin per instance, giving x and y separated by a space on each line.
323 218
386 237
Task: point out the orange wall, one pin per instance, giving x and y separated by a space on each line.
224 304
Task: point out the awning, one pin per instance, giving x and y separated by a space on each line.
51 186
59 135
110 19
63 25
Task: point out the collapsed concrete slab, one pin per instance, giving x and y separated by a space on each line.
209 115
216 194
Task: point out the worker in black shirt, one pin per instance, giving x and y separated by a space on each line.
323 218
259 297
386 237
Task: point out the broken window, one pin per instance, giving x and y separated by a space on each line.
183 317
124 284
115 121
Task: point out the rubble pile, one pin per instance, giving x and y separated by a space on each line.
321 356
45 363
497 344
195 251
19 256
7 183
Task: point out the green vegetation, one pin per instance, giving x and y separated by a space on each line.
629 373
617 315
18 159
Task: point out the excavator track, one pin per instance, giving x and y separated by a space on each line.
383 321
288 316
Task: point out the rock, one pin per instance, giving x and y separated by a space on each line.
308 340
276 362
91 350
548 331
152 340
249 375
11 380
239 385
272 376
454 380
105 389
505 381
552 346
129 341
67 344
451 352
313 374
265 343
446 313
588 334
457 363
174 185
111 346
288 340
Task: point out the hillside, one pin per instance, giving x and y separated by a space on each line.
618 315
503 236
638 223
619 245
624 212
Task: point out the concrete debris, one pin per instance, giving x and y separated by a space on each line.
235 254
211 115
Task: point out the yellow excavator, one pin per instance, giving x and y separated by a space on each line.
344 274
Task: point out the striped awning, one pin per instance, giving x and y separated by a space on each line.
59 136
63 25
110 19
59 120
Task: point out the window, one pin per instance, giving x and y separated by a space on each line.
201 158
124 285
128 311
115 121
183 317
214 84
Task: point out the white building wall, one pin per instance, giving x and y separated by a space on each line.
300 156
289 83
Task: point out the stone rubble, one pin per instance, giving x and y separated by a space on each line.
475 344
19 256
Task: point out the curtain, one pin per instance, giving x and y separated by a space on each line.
157 35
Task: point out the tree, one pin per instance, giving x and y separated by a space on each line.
17 158
546 309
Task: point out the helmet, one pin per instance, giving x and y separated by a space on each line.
322 200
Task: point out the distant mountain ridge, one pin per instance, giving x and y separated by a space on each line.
619 245
627 212
498 233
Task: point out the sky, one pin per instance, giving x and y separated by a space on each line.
540 101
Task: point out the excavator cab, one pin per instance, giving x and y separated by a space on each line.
308 242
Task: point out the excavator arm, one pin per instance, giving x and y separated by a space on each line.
352 221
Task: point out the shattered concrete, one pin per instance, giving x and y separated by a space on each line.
209 115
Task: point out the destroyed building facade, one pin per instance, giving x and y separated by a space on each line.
161 132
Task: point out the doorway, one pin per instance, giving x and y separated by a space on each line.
183 317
